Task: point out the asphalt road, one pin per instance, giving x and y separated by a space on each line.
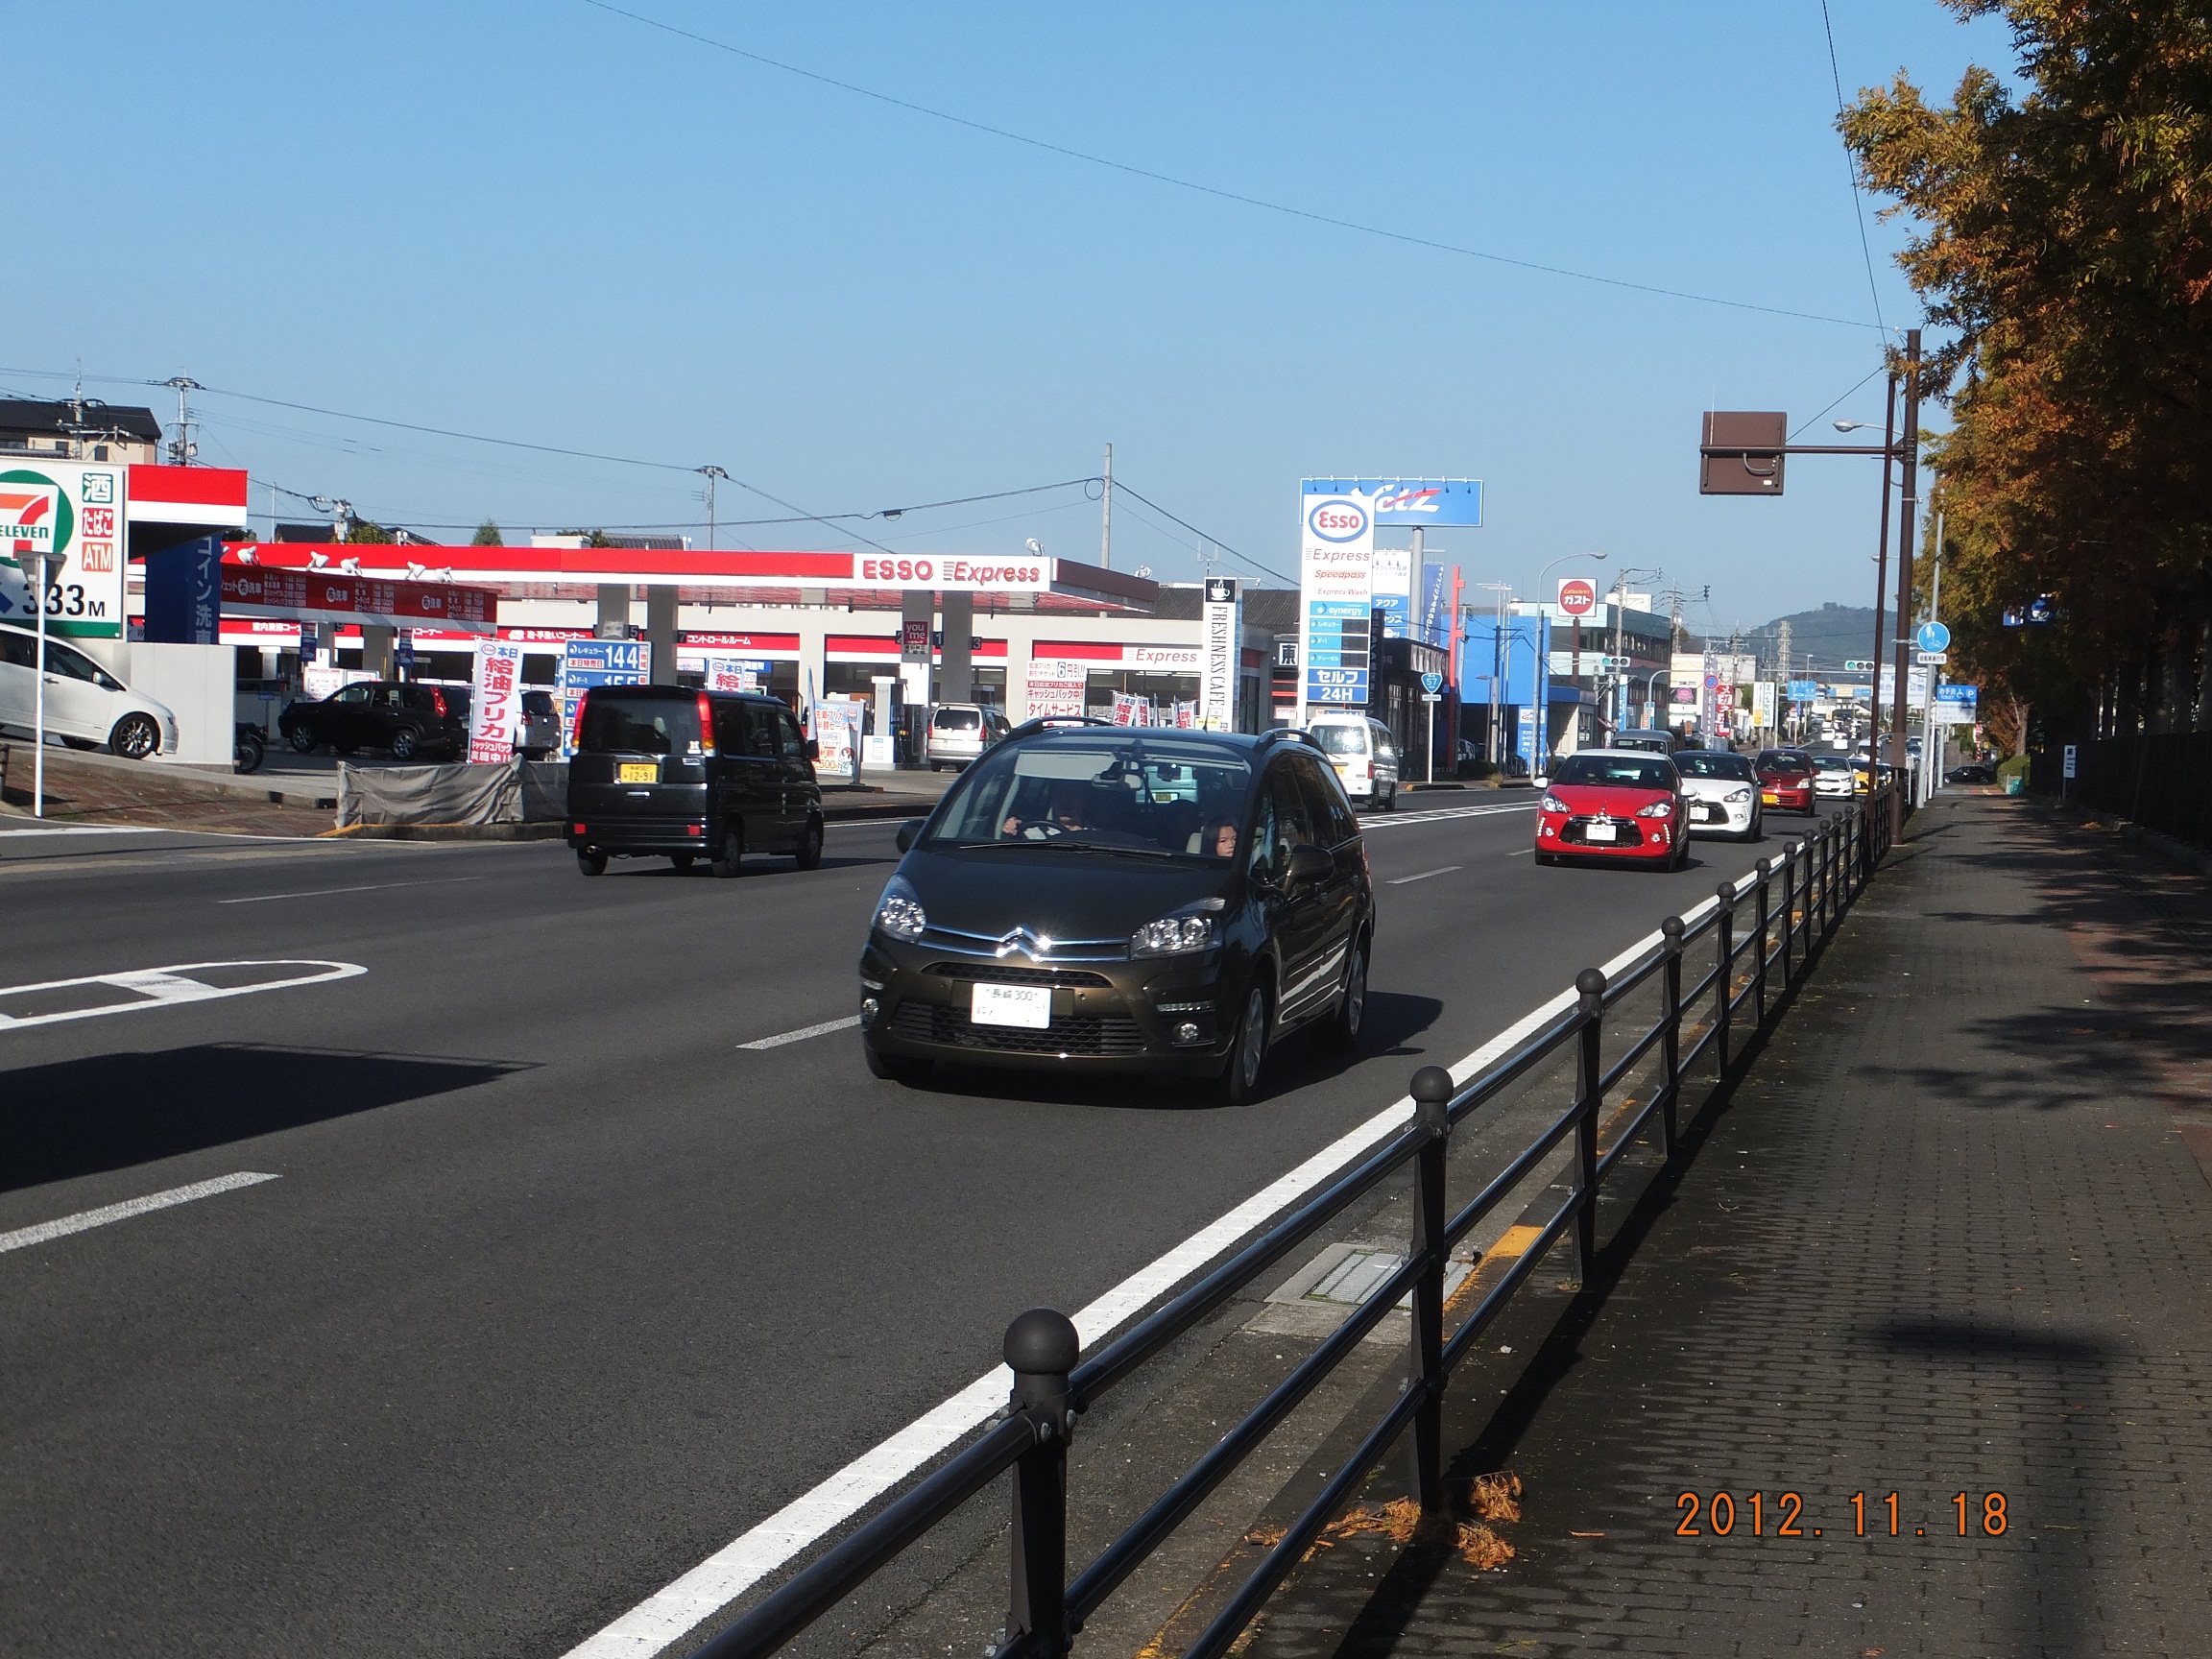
558 1290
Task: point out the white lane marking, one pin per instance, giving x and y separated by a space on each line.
804 1032
165 987
1400 881
85 830
1384 820
1520 852
85 1219
370 887
663 1618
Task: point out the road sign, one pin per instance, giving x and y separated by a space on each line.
1803 690
1431 696
2069 767
1578 595
1932 637
1432 683
1927 658
1750 464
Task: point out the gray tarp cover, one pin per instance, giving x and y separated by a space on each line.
520 792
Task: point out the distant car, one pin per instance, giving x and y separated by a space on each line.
1366 755
1722 790
1785 780
541 733
663 771
406 718
1651 742
1973 771
1619 803
85 705
960 731
1833 775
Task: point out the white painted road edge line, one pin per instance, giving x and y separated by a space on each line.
166 987
85 1219
1400 881
663 1618
367 887
805 1031
85 830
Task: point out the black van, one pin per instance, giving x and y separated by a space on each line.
665 772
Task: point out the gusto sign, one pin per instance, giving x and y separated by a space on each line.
1578 595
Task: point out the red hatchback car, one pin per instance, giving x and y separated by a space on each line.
1614 803
1786 781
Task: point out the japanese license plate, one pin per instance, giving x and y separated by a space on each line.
1769 797
639 772
1600 832
1025 1005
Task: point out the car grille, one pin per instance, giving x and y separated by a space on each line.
992 973
1625 833
951 1027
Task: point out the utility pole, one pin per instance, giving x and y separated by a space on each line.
1908 512
711 474
1106 519
182 449
1874 749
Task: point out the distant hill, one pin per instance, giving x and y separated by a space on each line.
1828 636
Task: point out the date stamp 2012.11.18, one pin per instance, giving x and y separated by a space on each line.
1783 1515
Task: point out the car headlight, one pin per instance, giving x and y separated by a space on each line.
1552 803
1738 797
1657 809
899 912
1172 936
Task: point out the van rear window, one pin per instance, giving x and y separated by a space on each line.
958 720
1343 739
640 726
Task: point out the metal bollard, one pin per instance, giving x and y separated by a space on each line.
1788 907
1042 1348
1758 967
1671 1044
1432 1103
1724 933
1591 984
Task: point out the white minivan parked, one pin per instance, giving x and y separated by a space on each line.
1366 756
85 705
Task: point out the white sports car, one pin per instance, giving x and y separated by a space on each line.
1722 790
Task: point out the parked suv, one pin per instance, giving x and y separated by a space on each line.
1104 898
407 719
85 705
960 731
1366 756
662 771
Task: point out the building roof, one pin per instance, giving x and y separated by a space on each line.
28 414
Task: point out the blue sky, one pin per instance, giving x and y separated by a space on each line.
549 223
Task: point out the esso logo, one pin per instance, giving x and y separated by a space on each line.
897 570
1577 596
1337 520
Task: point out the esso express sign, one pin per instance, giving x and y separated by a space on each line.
954 575
1335 520
1578 595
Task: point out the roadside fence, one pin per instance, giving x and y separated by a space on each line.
1722 973
2159 779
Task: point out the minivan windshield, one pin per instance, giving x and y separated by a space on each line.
1135 793
1344 739
640 726
1620 771
1701 764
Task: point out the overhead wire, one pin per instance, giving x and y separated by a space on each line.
1178 183
1858 193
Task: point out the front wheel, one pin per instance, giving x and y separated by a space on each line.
1241 1078
302 739
896 1068
406 742
1343 1030
135 736
247 752
592 861
809 853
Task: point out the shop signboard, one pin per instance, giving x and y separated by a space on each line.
1336 595
1429 502
1028 574
837 742
494 703
1762 703
734 673
1221 640
588 663
1056 687
1394 590
184 593
74 511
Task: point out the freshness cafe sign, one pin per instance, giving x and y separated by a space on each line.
75 510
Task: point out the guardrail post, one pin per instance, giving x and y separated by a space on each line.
1725 936
1758 967
1591 984
1789 909
1040 1348
1671 1044
1433 1099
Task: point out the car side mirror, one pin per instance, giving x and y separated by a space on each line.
814 749
1308 864
910 832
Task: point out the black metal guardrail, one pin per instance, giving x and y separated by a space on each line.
1796 901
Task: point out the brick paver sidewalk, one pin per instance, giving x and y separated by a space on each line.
1948 1237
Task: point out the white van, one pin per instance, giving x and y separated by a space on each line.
85 705
1366 756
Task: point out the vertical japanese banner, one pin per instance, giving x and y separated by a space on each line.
1220 643
838 741
496 702
1125 709
1336 593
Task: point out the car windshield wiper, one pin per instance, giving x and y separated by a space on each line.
1072 844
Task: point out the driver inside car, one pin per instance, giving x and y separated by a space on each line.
1063 816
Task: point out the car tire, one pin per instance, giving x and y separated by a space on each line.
1248 1052
1345 1026
809 853
682 861
936 765
83 743
903 1069
302 739
729 854
591 860
406 742
135 736
247 753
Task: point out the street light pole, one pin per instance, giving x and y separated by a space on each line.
49 566
1907 513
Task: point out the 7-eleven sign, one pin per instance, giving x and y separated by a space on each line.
31 521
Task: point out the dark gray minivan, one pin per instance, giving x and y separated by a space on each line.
662 771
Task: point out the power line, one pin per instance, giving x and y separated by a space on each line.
1213 190
1858 196
1241 558
1861 382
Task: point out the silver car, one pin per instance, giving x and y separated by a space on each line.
960 731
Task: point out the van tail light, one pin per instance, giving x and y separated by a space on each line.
576 732
706 725
437 702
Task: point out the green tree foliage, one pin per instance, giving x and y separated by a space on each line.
2064 247
363 530
487 536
